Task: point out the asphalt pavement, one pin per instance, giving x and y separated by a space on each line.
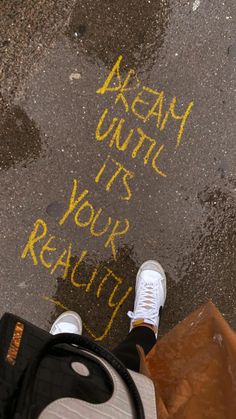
117 145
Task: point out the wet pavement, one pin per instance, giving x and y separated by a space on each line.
117 145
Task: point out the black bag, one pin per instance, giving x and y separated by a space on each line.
35 370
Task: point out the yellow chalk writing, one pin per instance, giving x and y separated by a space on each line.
74 271
101 232
101 171
138 100
124 88
115 175
111 239
99 136
91 281
116 137
33 239
154 165
110 322
115 72
65 263
142 139
147 105
46 248
85 205
127 175
157 105
121 170
73 203
120 87
183 118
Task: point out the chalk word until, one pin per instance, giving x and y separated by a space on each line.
113 134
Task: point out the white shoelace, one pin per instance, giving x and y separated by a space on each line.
147 303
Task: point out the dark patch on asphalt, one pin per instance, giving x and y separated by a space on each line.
212 265
100 29
20 140
96 312
56 209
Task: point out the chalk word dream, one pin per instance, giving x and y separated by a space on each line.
146 105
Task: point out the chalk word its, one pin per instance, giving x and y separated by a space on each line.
39 237
120 172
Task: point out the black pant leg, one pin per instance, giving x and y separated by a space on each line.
127 352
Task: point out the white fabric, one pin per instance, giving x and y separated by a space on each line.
118 407
67 322
65 327
149 297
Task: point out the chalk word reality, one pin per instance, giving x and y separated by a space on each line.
147 104
41 246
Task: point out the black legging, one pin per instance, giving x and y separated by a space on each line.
127 352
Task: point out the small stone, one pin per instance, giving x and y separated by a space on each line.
196 5
75 76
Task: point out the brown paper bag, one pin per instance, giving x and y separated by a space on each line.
194 368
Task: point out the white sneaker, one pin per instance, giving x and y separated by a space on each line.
67 322
150 295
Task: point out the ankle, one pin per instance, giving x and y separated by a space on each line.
149 326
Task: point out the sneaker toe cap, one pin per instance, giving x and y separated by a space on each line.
152 265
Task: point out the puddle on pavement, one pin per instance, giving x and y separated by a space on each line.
20 139
188 227
101 294
210 267
104 29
